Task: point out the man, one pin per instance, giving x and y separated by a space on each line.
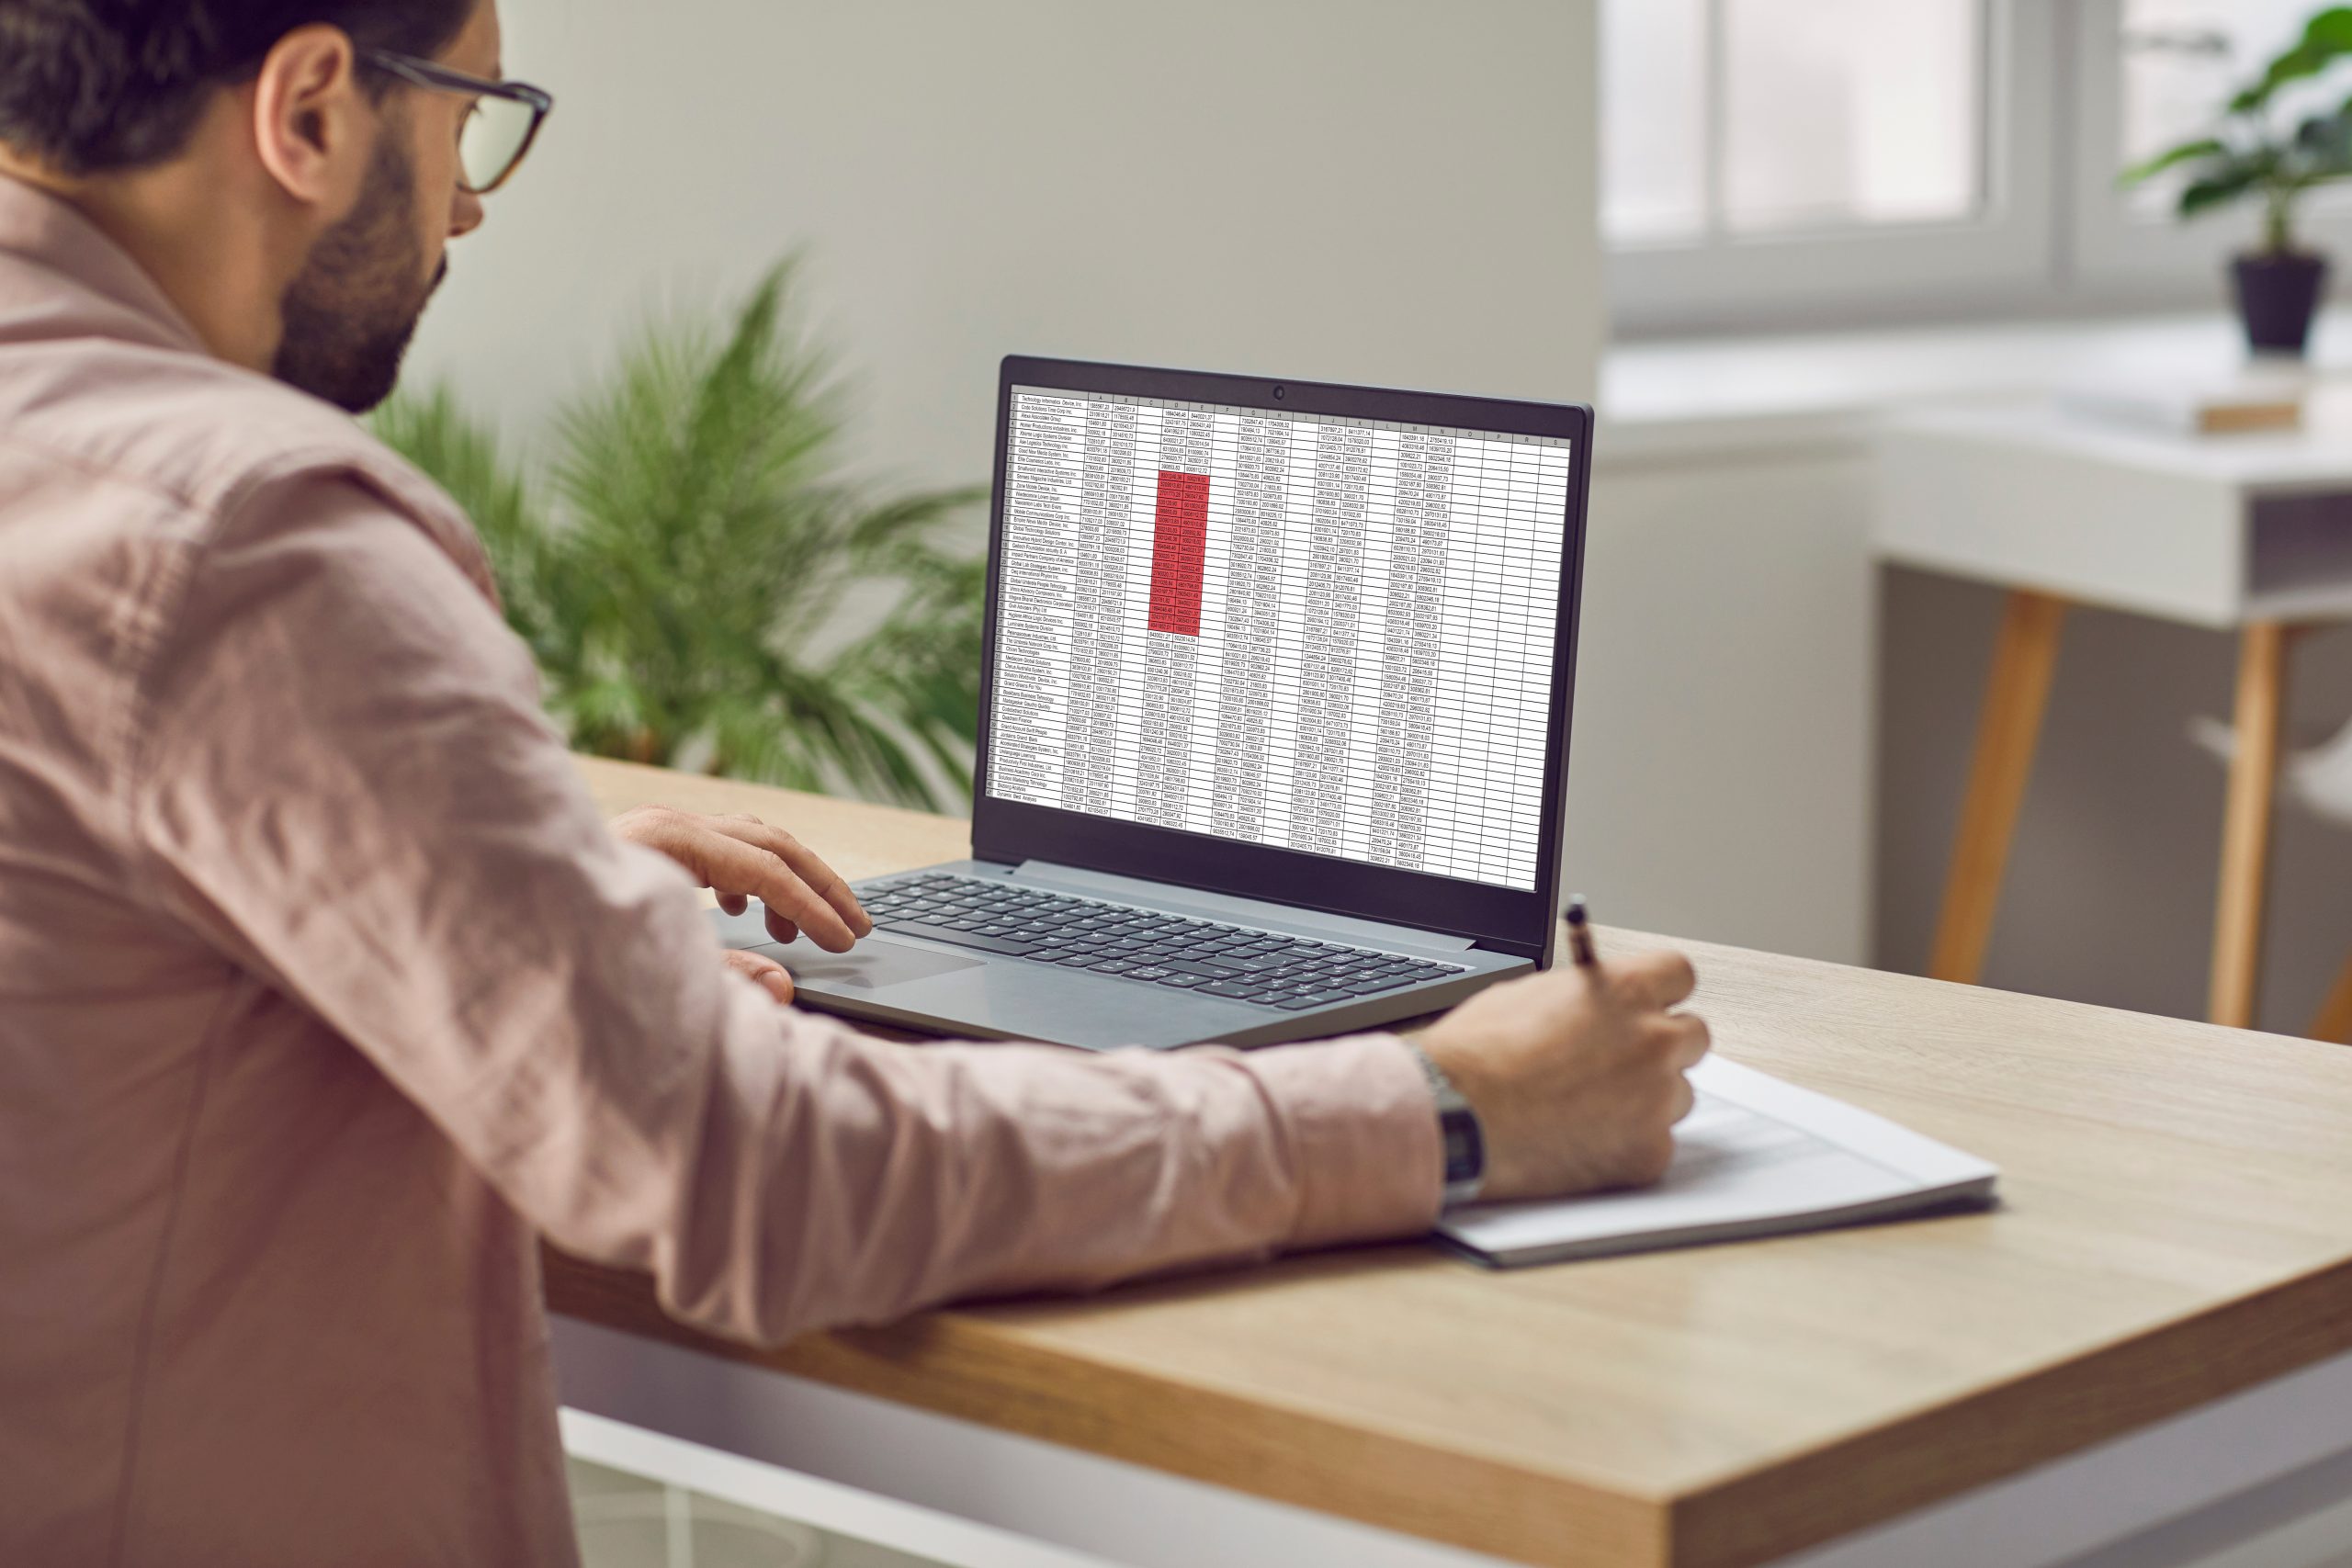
323 989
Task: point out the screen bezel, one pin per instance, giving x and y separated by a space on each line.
1505 920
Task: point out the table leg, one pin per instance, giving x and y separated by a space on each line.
2007 731
2245 823
2333 1024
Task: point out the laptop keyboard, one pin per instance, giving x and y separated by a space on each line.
1143 945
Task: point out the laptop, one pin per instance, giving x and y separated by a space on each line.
1273 727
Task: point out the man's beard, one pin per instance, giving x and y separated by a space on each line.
351 312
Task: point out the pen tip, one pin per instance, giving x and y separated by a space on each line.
1575 910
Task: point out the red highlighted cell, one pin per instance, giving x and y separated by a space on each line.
1179 538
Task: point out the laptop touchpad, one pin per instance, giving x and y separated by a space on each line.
870 966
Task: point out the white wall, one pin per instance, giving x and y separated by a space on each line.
1720 786
1375 190
1378 190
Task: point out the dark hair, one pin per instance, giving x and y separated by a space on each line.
88 85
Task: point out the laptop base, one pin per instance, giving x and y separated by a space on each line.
938 988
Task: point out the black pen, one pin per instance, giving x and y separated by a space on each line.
1581 935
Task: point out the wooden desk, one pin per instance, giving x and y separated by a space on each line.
2249 532
2177 1228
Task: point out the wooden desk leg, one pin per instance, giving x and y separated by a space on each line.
2007 731
2245 823
2333 1024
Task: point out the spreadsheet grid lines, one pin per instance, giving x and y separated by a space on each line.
1324 634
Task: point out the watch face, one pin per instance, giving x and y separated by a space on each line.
1465 1151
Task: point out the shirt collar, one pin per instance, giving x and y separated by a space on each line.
49 232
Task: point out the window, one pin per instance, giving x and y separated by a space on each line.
2152 72
2181 59
1759 116
1784 162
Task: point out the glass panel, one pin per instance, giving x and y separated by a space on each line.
1653 119
1846 112
2184 59
628 1521
495 133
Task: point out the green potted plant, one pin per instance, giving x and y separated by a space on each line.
2254 154
704 584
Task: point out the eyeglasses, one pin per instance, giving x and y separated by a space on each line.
499 129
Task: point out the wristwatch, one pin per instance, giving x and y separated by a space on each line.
1465 1142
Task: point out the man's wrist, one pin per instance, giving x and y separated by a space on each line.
1461 1137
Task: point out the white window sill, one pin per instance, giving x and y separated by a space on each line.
1719 397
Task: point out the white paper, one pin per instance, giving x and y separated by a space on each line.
1756 1157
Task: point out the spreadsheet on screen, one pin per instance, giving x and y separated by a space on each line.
1319 634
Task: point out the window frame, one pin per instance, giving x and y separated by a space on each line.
2121 259
2056 237
1997 259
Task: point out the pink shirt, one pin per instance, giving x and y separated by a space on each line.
325 991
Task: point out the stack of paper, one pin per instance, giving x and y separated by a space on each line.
2260 397
1756 1157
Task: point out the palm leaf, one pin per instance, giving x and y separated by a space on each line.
689 566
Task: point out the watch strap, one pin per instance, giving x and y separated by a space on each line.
1464 1140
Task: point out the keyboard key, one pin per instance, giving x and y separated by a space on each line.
1181 952
960 939
1207 971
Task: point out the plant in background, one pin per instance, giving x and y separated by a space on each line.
702 584
2253 153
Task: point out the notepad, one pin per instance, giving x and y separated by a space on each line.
1756 1157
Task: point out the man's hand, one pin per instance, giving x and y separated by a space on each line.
743 858
762 971
1577 1074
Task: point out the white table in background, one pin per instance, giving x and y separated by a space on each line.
2247 532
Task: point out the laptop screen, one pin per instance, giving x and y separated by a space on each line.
1319 634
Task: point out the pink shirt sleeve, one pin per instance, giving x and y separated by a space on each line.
344 782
